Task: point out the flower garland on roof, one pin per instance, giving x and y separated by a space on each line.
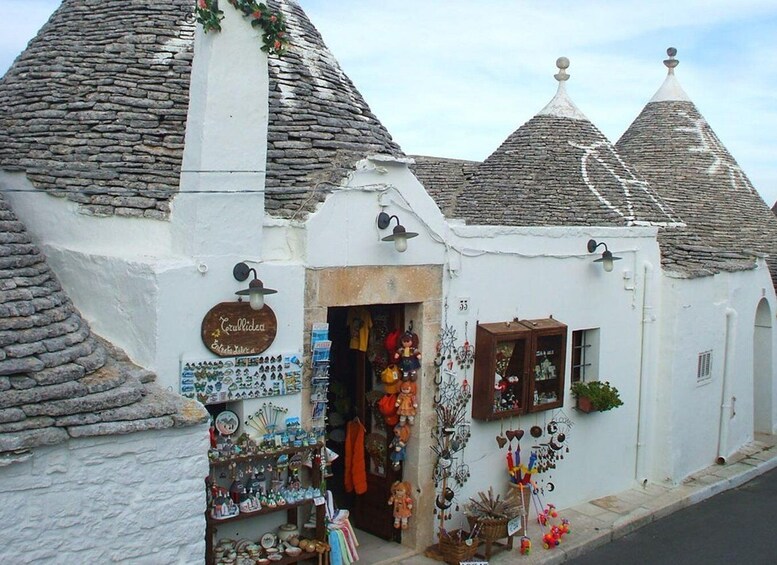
273 24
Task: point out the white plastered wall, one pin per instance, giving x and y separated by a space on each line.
506 273
530 273
699 315
344 232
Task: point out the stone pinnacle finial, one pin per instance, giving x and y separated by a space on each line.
671 62
563 64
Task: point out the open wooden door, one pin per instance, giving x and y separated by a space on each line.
355 378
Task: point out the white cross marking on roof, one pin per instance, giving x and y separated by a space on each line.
626 182
710 144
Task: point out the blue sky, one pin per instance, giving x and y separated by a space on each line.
454 78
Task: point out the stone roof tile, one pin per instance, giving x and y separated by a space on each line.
673 146
92 92
98 112
444 179
58 379
559 171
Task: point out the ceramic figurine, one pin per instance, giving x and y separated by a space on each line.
408 357
402 503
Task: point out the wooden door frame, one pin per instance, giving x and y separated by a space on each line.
419 287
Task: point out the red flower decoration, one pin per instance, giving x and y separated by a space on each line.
273 19
257 15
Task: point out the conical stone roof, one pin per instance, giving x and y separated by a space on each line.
57 380
672 145
95 109
559 169
320 125
444 179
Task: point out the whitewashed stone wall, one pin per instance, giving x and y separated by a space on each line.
137 498
694 320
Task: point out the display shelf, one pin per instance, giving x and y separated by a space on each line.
212 524
262 512
221 461
519 368
296 558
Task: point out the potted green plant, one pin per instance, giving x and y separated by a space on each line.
596 395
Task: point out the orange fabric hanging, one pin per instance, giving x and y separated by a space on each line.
355 464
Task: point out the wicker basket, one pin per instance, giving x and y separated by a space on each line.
453 549
490 529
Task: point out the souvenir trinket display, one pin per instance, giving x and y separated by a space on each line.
263 474
270 548
490 514
321 346
398 445
450 435
224 380
390 378
398 404
226 423
519 368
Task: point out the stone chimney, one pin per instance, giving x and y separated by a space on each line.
220 207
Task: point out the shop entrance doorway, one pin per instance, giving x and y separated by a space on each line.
357 358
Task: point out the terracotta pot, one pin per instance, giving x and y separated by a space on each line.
584 404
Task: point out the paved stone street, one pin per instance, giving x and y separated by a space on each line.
736 526
598 522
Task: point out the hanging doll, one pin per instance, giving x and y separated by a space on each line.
406 402
398 445
408 357
403 504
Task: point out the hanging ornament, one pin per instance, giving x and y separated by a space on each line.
465 355
446 344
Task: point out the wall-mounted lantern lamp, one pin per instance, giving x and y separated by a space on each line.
256 289
400 235
607 257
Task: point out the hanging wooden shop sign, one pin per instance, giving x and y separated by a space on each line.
234 328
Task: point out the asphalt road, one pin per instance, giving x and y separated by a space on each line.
737 526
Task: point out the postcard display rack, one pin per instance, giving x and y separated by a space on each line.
320 346
260 472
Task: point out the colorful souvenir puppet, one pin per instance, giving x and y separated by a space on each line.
408 357
406 402
398 445
402 502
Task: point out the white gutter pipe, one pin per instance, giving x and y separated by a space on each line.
726 400
644 360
